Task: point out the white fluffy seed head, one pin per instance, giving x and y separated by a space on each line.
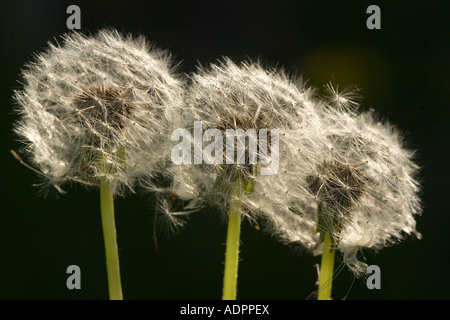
245 96
359 184
389 201
97 106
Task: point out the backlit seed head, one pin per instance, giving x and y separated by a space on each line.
243 96
359 184
97 106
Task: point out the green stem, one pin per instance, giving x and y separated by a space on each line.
326 269
232 250
109 235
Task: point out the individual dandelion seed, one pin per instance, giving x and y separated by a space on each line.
223 99
346 100
363 185
165 219
94 110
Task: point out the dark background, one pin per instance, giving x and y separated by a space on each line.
401 69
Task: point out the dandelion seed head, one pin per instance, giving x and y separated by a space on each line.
362 182
97 106
248 97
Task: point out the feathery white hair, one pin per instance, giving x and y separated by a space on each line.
96 106
360 185
243 96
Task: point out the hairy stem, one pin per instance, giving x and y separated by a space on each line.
109 235
232 250
326 269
